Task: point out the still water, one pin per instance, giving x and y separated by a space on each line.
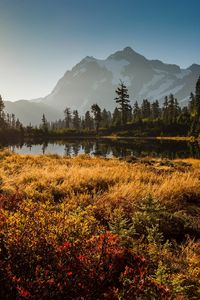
113 148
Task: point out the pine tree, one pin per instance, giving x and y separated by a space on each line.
2 105
136 112
8 120
171 109
184 117
145 109
177 110
105 118
192 104
123 100
195 125
116 117
88 121
13 121
2 115
68 117
17 124
165 115
197 97
76 120
44 123
155 110
96 111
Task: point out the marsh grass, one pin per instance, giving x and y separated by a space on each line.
150 209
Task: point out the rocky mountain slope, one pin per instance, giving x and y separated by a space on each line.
94 81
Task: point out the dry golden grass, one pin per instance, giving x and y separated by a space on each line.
177 138
110 180
62 198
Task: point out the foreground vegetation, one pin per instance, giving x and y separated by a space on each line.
94 228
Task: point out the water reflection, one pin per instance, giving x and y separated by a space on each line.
110 148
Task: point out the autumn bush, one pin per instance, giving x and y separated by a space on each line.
91 228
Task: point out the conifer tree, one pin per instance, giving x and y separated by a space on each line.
197 97
145 109
165 111
116 117
191 105
13 121
177 110
170 111
136 112
155 110
17 124
184 117
123 100
195 125
2 106
96 111
44 123
105 118
76 120
2 115
88 121
68 117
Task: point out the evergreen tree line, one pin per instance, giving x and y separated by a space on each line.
8 121
11 129
169 113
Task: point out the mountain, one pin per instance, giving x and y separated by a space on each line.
31 112
94 81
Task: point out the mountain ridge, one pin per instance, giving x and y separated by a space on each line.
94 80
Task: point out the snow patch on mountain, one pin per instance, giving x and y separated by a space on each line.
166 85
80 71
183 74
162 90
117 68
156 78
176 89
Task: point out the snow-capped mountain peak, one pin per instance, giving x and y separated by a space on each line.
94 80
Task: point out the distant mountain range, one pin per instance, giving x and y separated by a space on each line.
94 81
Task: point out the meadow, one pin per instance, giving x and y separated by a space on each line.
96 228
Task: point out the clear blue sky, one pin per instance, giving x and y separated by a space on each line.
41 39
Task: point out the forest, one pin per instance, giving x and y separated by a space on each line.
149 119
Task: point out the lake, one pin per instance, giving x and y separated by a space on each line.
112 148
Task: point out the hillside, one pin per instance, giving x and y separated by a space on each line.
30 112
94 81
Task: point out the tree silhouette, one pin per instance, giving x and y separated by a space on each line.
123 100
96 111
44 123
68 117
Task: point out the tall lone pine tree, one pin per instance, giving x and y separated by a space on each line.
123 100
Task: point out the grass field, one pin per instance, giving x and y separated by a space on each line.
94 228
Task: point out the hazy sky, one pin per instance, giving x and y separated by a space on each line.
41 39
